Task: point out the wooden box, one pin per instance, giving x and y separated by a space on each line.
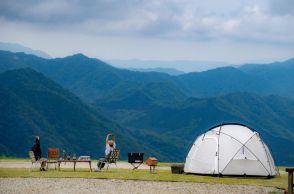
151 161
53 153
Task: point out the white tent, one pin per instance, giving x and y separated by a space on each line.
230 149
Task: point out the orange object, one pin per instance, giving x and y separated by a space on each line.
151 161
53 153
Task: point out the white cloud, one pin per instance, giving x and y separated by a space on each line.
191 22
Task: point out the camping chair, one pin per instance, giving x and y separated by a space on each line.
112 157
53 156
33 160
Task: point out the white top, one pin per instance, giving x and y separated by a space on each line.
109 149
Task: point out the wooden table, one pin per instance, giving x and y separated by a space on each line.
74 162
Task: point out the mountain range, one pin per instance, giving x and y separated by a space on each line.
152 112
13 47
92 79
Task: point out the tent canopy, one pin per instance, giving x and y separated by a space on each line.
230 149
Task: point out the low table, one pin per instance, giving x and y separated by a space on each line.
74 162
51 162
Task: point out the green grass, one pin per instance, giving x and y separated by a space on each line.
160 175
13 159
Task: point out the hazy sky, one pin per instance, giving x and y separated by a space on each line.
234 31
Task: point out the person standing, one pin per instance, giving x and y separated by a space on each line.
37 148
38 153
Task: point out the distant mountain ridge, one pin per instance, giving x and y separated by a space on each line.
92 79
13 47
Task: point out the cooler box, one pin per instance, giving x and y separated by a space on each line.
151 161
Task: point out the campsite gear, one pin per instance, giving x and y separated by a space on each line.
74 156
52 155
84 158
290 180
109 159
74 163
177 168
230 149
152 163
35 162
136 159
112 157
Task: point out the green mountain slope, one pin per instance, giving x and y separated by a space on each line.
33 105
277 74
223 81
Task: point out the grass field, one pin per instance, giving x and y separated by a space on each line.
160 175
13 159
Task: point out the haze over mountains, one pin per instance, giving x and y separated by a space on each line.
182 65
154 112
13 47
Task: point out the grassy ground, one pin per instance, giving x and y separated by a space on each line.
13 159
163 175
160 175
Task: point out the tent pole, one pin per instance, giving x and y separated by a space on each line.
218 149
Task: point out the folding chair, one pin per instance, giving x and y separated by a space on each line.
33 160
112 157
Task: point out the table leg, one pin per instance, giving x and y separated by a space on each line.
59 166
74 166
290 182
152 169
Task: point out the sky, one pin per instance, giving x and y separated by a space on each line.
230 31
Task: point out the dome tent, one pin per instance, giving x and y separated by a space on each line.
230 149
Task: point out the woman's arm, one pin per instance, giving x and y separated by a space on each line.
107 138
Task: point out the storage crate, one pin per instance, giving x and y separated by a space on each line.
177 168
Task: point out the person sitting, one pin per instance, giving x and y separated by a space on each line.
38 153
109 146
